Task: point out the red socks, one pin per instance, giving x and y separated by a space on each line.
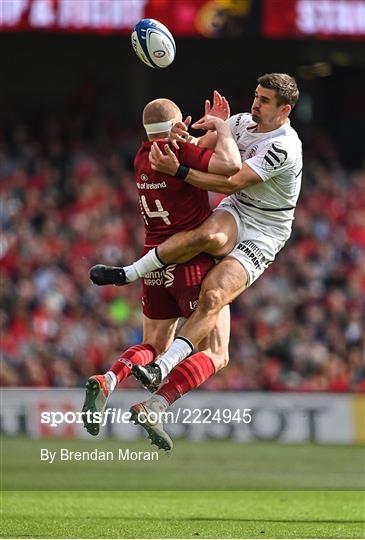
189 374
138 354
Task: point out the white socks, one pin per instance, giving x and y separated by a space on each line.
111 380
179 350
145 264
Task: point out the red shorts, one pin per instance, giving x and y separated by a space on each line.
173 291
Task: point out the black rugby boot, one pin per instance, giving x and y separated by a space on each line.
149 375
107 275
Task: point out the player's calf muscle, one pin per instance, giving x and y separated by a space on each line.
216 349
215 344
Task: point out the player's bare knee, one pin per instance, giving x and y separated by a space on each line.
208 240
215 242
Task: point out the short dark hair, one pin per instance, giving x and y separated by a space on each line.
284 85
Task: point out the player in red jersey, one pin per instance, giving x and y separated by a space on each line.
168 205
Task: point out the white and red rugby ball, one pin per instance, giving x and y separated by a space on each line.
153 43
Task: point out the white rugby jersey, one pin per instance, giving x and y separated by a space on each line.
276 156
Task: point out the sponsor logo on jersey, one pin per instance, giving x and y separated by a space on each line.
153 279
145 185
168 275
275 157
157 278
254 253
144 177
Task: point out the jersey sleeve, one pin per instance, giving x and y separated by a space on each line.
194 156
272 158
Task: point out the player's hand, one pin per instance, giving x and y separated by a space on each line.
166 163
220 107
208 122
179 132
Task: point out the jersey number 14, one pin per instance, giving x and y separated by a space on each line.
159 213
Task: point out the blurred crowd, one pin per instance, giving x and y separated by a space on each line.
69 201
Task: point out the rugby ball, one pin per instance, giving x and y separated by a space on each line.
153 43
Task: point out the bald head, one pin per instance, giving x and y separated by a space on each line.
160 111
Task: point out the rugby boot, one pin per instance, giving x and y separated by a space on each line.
98 390
107 275
149 375
148 415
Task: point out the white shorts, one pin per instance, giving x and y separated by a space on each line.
254 249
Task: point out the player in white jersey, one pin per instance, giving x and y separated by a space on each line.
249 227
276 156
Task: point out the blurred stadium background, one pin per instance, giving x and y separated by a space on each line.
71 98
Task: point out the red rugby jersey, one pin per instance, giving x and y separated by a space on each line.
169 205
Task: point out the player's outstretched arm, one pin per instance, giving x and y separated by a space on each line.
225 160
168 163
213 182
